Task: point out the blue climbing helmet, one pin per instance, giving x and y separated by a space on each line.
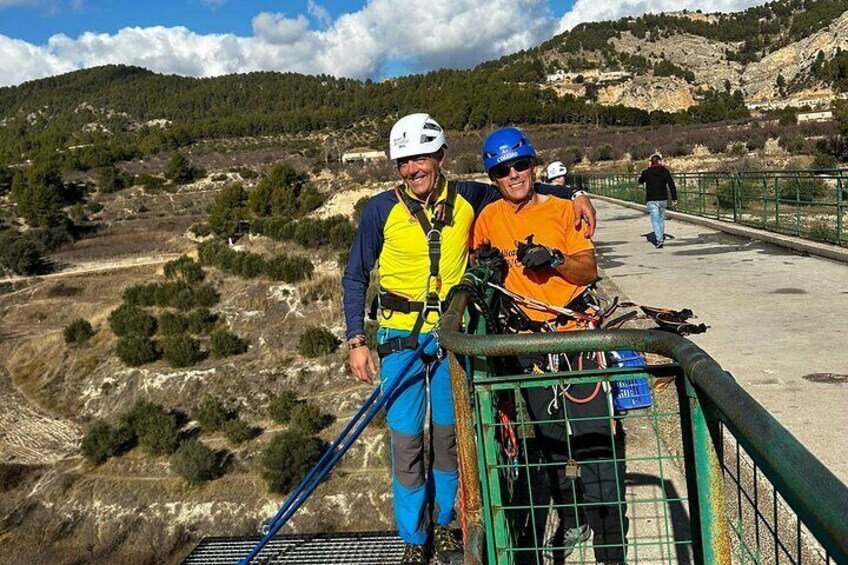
506 144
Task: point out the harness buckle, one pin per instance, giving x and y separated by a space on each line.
432 304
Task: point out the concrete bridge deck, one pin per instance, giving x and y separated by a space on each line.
778 318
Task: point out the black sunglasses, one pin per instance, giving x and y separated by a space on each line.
520 165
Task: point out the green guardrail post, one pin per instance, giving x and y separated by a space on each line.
797 203
840 202
765 200
715 541
736 185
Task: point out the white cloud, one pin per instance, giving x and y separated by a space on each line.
422 34
213 3
594 11
21 61
319 13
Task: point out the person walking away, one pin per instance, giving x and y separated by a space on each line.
418 234
549 261
658 183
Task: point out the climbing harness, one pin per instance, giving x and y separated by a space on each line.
431 306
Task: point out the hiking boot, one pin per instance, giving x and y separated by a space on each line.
562 544
447 550
413 554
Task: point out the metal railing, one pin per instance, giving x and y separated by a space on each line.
804 203
755 494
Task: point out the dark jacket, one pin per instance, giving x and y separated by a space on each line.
656 179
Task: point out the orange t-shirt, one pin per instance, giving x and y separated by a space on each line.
552 224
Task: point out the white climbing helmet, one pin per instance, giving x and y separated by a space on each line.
415 134
556 169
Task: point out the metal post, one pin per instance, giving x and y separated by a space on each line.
840 187
715 538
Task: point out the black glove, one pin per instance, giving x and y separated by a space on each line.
536 256
492 258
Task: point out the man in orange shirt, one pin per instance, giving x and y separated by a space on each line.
549 261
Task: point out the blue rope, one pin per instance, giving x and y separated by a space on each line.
333 454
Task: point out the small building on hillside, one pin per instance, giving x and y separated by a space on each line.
362 155
817 116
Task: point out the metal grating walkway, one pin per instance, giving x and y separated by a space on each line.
359 548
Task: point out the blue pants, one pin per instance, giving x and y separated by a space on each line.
412 486
656 208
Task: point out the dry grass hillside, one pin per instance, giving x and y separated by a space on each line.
58 508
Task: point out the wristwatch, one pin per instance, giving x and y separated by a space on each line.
558 258
356 341
577 193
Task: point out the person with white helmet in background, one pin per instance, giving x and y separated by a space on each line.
418 236
556 173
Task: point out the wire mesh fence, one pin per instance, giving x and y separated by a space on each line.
765 529
594 497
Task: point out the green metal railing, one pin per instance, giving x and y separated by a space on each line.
808 204
752 493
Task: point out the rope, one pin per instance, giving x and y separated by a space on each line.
334 453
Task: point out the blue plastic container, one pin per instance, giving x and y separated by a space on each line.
630 394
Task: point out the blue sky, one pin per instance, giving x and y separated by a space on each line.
353 38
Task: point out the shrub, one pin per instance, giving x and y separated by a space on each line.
792 142
804 190
78 332
309 233
128 320
239 431
135 350
289 269
281 406
172 323
22 256
211 414
824 161
224 344
195 462
572 155
140 295
288 458
184 269
150 183
341 235
359 207
103 441
200 320
201 229
247 265
156 428
309 418
180 350
738 150
316 341
604 152
205 296
180 170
